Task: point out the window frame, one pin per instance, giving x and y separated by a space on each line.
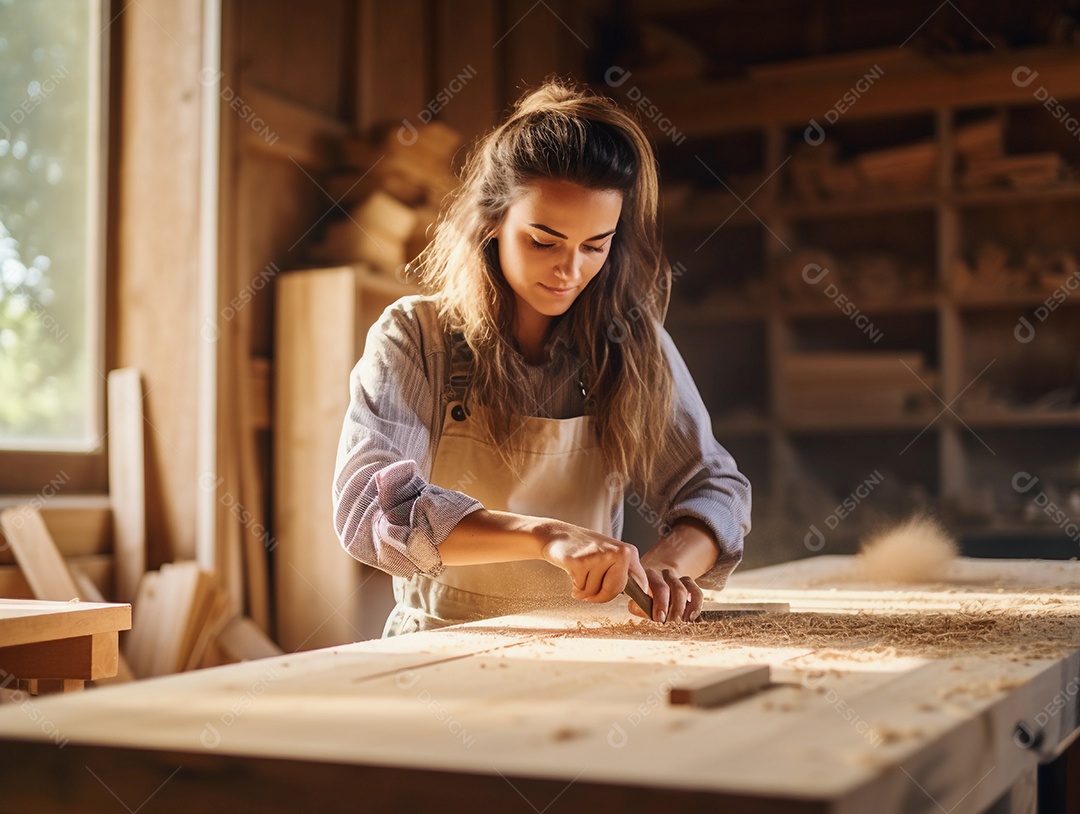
39 471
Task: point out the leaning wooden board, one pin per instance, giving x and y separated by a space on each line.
523 713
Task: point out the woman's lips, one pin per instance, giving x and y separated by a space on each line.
558 292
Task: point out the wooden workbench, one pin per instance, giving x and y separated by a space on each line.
540 714
55 646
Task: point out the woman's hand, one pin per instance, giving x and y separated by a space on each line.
688 550
598 565
674 597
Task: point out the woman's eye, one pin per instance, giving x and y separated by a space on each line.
594 249
540 245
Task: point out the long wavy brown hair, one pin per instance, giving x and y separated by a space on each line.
558 131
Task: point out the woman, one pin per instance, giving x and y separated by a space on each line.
496 424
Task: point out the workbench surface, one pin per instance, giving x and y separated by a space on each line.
886 699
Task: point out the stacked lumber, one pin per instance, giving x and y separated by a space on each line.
392 192
809 273
846 387
983 162
817 173
993 271
177 611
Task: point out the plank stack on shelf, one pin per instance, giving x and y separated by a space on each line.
852 387
393 192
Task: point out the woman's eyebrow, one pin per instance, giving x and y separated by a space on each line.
551 231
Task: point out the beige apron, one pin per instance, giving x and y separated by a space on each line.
563 477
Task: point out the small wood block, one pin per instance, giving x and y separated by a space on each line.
722 687
715 611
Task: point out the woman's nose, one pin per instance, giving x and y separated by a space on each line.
569 265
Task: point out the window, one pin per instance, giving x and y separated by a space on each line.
52 151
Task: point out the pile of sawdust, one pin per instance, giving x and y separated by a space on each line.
915 634
917 550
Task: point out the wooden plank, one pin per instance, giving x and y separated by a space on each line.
82 657
79 526
316 338
722 688
37 555
127 489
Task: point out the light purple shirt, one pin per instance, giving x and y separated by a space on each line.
389 516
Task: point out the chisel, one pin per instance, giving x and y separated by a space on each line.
637 593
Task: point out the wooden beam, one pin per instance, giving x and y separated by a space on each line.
961 81
127 474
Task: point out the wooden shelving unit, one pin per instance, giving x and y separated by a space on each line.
738 326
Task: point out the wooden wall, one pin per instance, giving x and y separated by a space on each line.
306 75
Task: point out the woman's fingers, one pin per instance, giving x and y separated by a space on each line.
674 597
660 591
697 599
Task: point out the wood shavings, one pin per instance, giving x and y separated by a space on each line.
917 550
849 635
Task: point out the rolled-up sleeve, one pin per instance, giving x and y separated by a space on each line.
698 478
386 513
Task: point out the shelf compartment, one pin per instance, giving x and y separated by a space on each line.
718 267
730 370
848 486
1013 475
863 160
1006 378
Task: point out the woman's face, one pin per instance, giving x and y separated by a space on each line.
553 241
